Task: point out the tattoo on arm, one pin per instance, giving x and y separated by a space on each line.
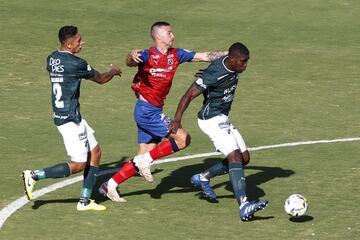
215 55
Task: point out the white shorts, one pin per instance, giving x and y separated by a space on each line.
79 139
223 134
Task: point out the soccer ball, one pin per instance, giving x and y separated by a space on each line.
296 205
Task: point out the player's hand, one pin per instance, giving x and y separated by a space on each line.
174 126
115 69
199 73
135 54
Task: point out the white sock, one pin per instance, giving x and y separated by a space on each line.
147 157
112 183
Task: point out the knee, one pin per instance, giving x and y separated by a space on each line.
96 152
77 167
245 158
95 156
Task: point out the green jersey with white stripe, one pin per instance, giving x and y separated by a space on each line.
218 85
66 71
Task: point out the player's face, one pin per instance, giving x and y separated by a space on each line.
167 36
239 63
75 43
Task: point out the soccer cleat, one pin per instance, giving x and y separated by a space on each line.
29 183
247 209
205 185
92 205
111 193
144 168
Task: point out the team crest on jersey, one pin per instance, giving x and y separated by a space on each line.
170 59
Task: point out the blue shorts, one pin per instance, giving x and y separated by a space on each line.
152 123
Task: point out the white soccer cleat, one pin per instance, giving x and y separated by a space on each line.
144 168
111 193
29 183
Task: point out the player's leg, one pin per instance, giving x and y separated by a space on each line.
129 169
226 139
152 121
90 153
238 182
146 143
68 132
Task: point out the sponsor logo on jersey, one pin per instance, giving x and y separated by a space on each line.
230 90
60 116
54 63
159 72
228 98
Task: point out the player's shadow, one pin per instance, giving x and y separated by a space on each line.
180 178
39 203
178 181
107 170
264 174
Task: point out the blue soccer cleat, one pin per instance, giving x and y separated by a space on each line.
205 185
248 209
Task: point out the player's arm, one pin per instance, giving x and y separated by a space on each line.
190 94
103 78
208 56
133 58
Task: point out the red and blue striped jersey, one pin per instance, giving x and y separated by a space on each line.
155 74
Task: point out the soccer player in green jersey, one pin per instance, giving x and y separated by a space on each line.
218 84
66 71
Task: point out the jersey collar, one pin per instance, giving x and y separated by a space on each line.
223 63
65 52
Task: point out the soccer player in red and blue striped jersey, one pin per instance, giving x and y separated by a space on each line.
156 69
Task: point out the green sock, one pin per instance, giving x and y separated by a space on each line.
90 176
237 178
217 169
57 171
39 174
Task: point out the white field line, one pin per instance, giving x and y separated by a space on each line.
7 211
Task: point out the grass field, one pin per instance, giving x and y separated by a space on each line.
302 83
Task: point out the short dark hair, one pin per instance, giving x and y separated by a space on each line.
156 25
239 48
67 32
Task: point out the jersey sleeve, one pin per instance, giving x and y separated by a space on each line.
206 80
144 55
185 55
84 70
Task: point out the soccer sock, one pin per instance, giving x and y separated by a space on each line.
90 177
217 169
126 171
57 171
237 178
38 174
165 148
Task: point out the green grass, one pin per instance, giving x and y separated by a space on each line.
302 83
